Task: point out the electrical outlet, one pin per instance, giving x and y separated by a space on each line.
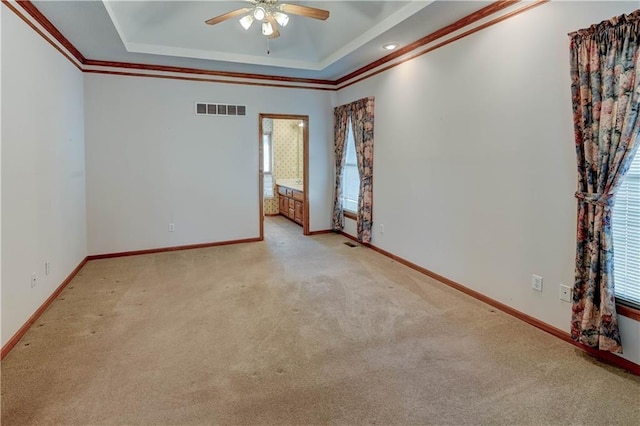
172 228
47 267
565 293
34 279
536 282
381 228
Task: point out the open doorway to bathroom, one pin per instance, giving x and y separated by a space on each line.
284 168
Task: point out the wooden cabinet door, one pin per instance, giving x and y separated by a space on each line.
283 204
298 212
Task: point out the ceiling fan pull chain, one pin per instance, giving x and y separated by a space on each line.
268 51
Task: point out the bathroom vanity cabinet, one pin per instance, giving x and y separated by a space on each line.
291 203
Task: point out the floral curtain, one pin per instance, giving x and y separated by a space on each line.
340 120
605 74
362 126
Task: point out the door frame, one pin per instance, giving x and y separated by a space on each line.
305 167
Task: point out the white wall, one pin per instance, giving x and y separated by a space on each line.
43 179
474 164
151 161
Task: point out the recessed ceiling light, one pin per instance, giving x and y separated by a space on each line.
390 46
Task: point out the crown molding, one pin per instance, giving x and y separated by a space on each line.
467 20
33 11
226 74
475 22
470 24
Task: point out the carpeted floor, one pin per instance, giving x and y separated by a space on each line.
294 331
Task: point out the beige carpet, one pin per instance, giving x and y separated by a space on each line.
294 330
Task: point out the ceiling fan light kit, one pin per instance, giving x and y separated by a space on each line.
270 14
246 21
267 29
281 18
259 13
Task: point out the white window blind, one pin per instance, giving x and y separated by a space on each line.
267 155
351 176
267 166
625 225
267 186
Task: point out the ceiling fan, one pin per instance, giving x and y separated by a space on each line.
271 14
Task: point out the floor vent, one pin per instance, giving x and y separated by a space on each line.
350 244
203 108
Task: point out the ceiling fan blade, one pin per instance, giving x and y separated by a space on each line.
309 12
274 25
228 15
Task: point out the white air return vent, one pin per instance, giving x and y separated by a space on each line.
205 108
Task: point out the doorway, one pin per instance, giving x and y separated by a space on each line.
284 168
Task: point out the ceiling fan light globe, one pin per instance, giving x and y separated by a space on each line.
259 13
281 18
267 29
246 21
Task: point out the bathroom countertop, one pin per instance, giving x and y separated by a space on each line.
294 184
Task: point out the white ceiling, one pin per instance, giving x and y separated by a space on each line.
174 33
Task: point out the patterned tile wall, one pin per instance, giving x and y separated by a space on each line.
287 155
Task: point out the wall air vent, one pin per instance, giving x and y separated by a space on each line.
204 108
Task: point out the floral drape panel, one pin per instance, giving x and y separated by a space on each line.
362 126
605 74
340 120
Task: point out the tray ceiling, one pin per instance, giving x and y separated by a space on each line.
174 33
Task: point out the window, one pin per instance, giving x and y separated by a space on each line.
267 155
625 225
350 175
267 166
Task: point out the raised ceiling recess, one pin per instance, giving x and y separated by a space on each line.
179 29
